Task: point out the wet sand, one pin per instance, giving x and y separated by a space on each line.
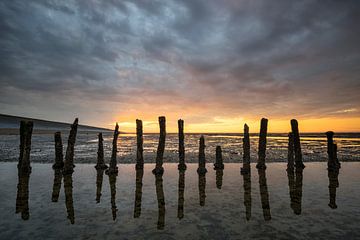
224 215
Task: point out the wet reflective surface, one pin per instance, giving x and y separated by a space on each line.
271 203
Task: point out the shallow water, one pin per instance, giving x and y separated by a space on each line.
314 147
272 205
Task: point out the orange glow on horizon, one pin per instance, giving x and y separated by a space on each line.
235 125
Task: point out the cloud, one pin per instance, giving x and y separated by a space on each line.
196 58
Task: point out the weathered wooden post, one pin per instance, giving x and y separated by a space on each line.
333 162
22 197
246 149
99 181
297 197
26 128
100 164
290 164
297 147
139 143
113 169
264 195
69 156
182 165
262 144
161 147
68 188
219 167
138 192
59 157
202 171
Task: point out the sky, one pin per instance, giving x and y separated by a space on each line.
215 64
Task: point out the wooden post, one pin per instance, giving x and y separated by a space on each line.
59 157
182 165
138 192
297 197
100 165
113 169
290 164
219 167
26 128
262 144
139 142
297 147
22 197
246 149
69 156
333 162
202 169
333 175
161 147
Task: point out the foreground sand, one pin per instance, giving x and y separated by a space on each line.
222 217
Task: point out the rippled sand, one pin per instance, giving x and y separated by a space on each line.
313 147
265 202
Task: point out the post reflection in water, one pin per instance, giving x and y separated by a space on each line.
138 192
295 181
202 185
247 194
68 187
180 213
112 183
161 201
57 185
22 197
99 181
264 194
333 175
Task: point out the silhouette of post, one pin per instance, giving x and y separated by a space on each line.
69 156
333 162
246 150
262 144
181 189
56 185
161 147
113 169
139 143
26 128
138 192
297 194
219 167
182 165
100 164
59 157
99 181
297 147
290 164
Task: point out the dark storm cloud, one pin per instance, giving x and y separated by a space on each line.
260 57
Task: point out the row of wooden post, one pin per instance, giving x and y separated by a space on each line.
294 149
